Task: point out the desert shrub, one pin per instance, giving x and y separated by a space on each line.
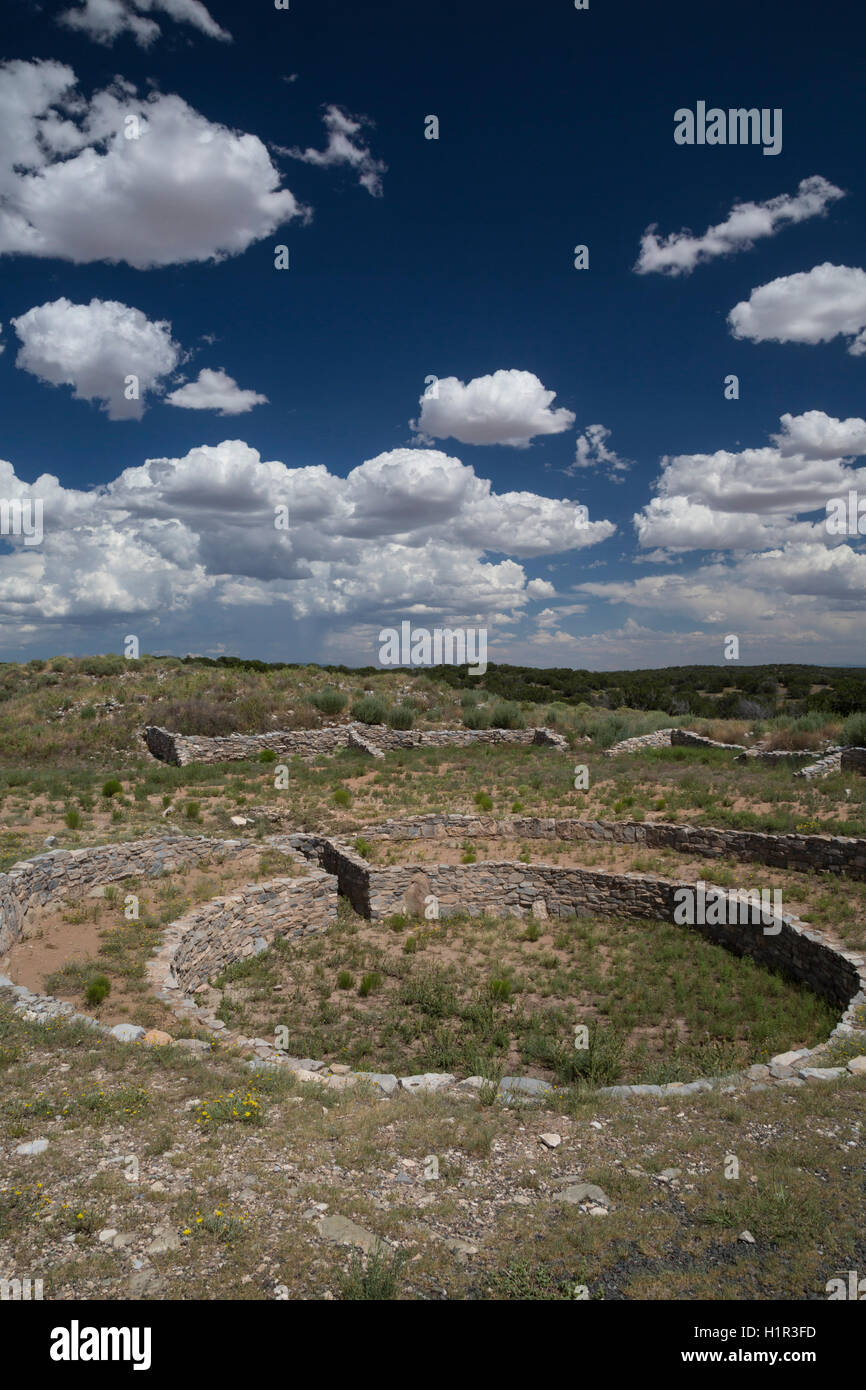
112 787
375 1278
72 818
401 717
342 797
483 801
854 730
102 665
370 709
329 701
345 979
476 717
506 715
209 718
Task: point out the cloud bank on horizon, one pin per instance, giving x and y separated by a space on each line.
412 530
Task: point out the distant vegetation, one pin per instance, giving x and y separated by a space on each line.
86 711
711 692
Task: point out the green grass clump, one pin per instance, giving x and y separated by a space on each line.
374 1280
97 989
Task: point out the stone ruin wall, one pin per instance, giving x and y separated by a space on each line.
232 928
553 891
838 854
225 930
39 881
182 749
209 937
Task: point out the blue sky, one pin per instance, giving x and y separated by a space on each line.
413 258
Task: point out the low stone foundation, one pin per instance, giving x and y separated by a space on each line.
686 739
225 930
37 882
777 755
838 854
830 763
373 739
193 948
518 889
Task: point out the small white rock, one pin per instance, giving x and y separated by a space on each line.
551 1141
36 1146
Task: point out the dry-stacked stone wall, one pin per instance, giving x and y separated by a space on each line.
226 930
217 933
193 948
778 941
311 743
776 755
839 854
37 882
684 738
781 943
831 762
350 870
665 738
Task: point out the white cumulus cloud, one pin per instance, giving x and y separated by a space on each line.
752 499
106 20
187 543
95 348
509 407
345 147
592 452
147 181
746 223
812 306
215 390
